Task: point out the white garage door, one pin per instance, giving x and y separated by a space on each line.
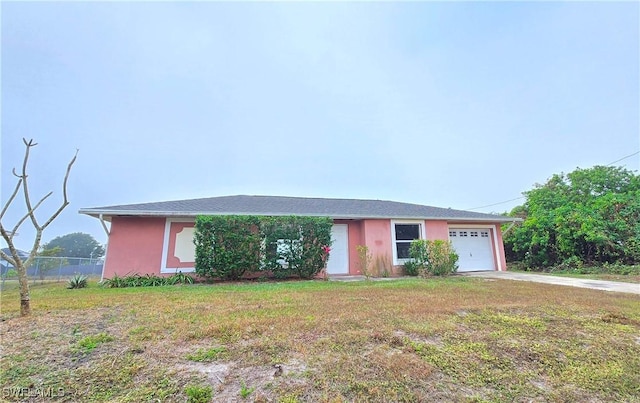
338 262
473 246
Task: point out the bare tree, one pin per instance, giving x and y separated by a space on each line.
8 234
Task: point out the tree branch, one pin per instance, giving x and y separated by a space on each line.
11 259
13 196
25 186
64 193
19 223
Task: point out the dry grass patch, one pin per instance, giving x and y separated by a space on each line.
457 339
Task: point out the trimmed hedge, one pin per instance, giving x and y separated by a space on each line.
227 246
230 246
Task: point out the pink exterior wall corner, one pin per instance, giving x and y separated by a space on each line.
135 246
502 258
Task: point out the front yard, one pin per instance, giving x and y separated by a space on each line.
454 339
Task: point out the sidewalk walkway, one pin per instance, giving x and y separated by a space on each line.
615 286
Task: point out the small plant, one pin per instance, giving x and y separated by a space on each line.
114 282
180 278
245 391
89 343
77 281
434 258
148 280
410 268
364 259
198 394
206 355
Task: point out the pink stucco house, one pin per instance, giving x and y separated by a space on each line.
157 238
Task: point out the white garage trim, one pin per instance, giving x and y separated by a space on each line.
494 238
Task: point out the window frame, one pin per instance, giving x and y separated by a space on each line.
421 233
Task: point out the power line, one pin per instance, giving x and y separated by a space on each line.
495 204
624 158
522 197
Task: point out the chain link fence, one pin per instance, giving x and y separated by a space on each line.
45 268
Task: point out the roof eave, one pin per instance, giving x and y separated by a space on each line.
111 213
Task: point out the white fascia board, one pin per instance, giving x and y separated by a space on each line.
96 213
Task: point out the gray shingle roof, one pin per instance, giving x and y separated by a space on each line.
279 205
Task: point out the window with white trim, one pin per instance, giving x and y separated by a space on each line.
404 234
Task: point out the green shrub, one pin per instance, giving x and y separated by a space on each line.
617 268
573 263
227 247
77 281
411 268
198 394
436 258
605 268
295 246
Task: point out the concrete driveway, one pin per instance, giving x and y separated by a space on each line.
615 286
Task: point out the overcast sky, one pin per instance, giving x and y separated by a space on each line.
454 104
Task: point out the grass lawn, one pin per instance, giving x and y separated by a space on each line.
455 339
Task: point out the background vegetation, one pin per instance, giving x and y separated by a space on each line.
584 218
77 244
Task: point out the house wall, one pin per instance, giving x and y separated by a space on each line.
135 246
377 237
436 230
138 244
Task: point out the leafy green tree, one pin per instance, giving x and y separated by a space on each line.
589 215
76 244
